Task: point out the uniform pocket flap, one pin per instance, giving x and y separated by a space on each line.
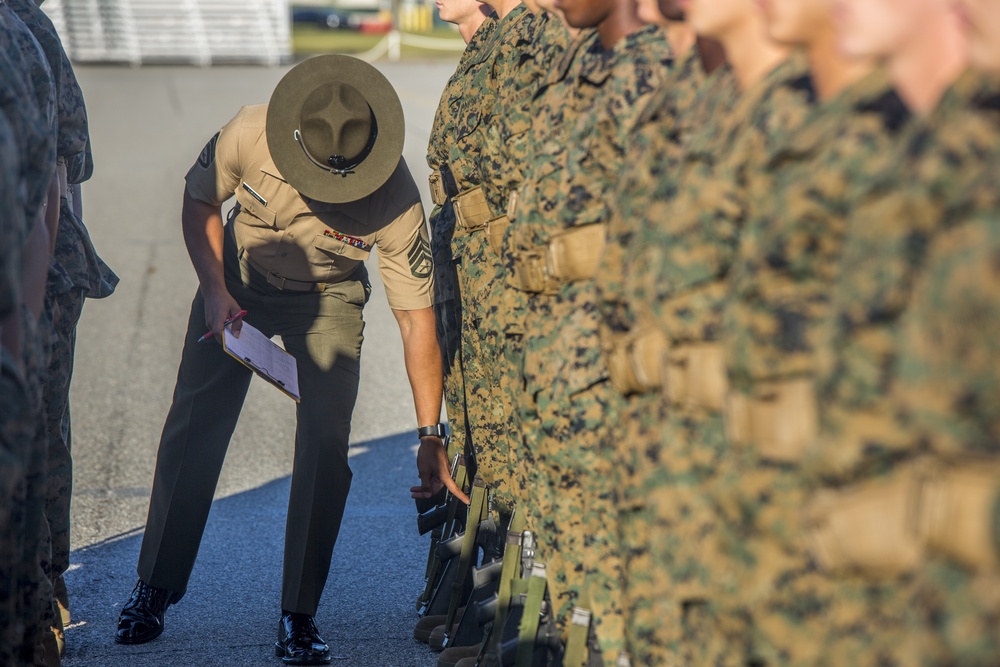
336 243
256 208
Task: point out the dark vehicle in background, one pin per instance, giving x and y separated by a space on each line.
327 18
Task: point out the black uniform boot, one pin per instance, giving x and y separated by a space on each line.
142 616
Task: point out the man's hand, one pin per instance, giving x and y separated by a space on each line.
219 308
434 471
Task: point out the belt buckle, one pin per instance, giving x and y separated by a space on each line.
273 279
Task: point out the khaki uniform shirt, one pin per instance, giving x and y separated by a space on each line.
292 237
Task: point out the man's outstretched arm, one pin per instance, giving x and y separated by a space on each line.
203 236
423 368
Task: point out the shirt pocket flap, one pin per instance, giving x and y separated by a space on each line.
335 243
255 208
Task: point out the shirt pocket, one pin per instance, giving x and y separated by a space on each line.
253 212
331 253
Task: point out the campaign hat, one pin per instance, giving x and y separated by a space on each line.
335 128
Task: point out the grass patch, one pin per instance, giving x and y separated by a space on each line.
308 40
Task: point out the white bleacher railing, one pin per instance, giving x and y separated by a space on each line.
201 32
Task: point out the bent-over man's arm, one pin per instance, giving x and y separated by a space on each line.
423 368
203 236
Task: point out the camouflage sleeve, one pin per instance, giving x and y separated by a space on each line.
996 524
633 193
70 108
217 172
950 351
10 227
74 132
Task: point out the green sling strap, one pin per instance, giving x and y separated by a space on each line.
576 644
508 573
528 631
477 512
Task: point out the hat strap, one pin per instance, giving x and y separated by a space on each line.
338 164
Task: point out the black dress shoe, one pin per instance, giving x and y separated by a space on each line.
299 642
142 616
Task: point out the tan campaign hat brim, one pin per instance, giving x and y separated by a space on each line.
283 113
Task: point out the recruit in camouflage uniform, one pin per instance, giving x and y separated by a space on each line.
634 324
88 277
488 413
801 202
569 407
506 152
650 610
15 426
447 298
35 591
547 115
949 354
551 112
682 278
865 457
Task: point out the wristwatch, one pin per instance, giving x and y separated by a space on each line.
437 430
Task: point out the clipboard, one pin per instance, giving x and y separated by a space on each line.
265 358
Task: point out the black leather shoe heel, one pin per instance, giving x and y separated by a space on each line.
299 642
142 616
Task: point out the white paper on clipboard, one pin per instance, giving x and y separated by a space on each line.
264 357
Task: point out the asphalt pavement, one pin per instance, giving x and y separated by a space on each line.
148 126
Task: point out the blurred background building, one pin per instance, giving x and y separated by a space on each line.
265 32
200 32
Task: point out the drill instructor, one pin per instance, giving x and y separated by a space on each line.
319 180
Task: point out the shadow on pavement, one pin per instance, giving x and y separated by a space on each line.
230 612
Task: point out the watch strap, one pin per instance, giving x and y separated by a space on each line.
435 430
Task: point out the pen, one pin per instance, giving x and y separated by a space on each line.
232 319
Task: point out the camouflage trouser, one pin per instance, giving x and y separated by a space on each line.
652 613
958 616
16 431
801 615
56 402
508 384
572 443
488 408
685 540
35 599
